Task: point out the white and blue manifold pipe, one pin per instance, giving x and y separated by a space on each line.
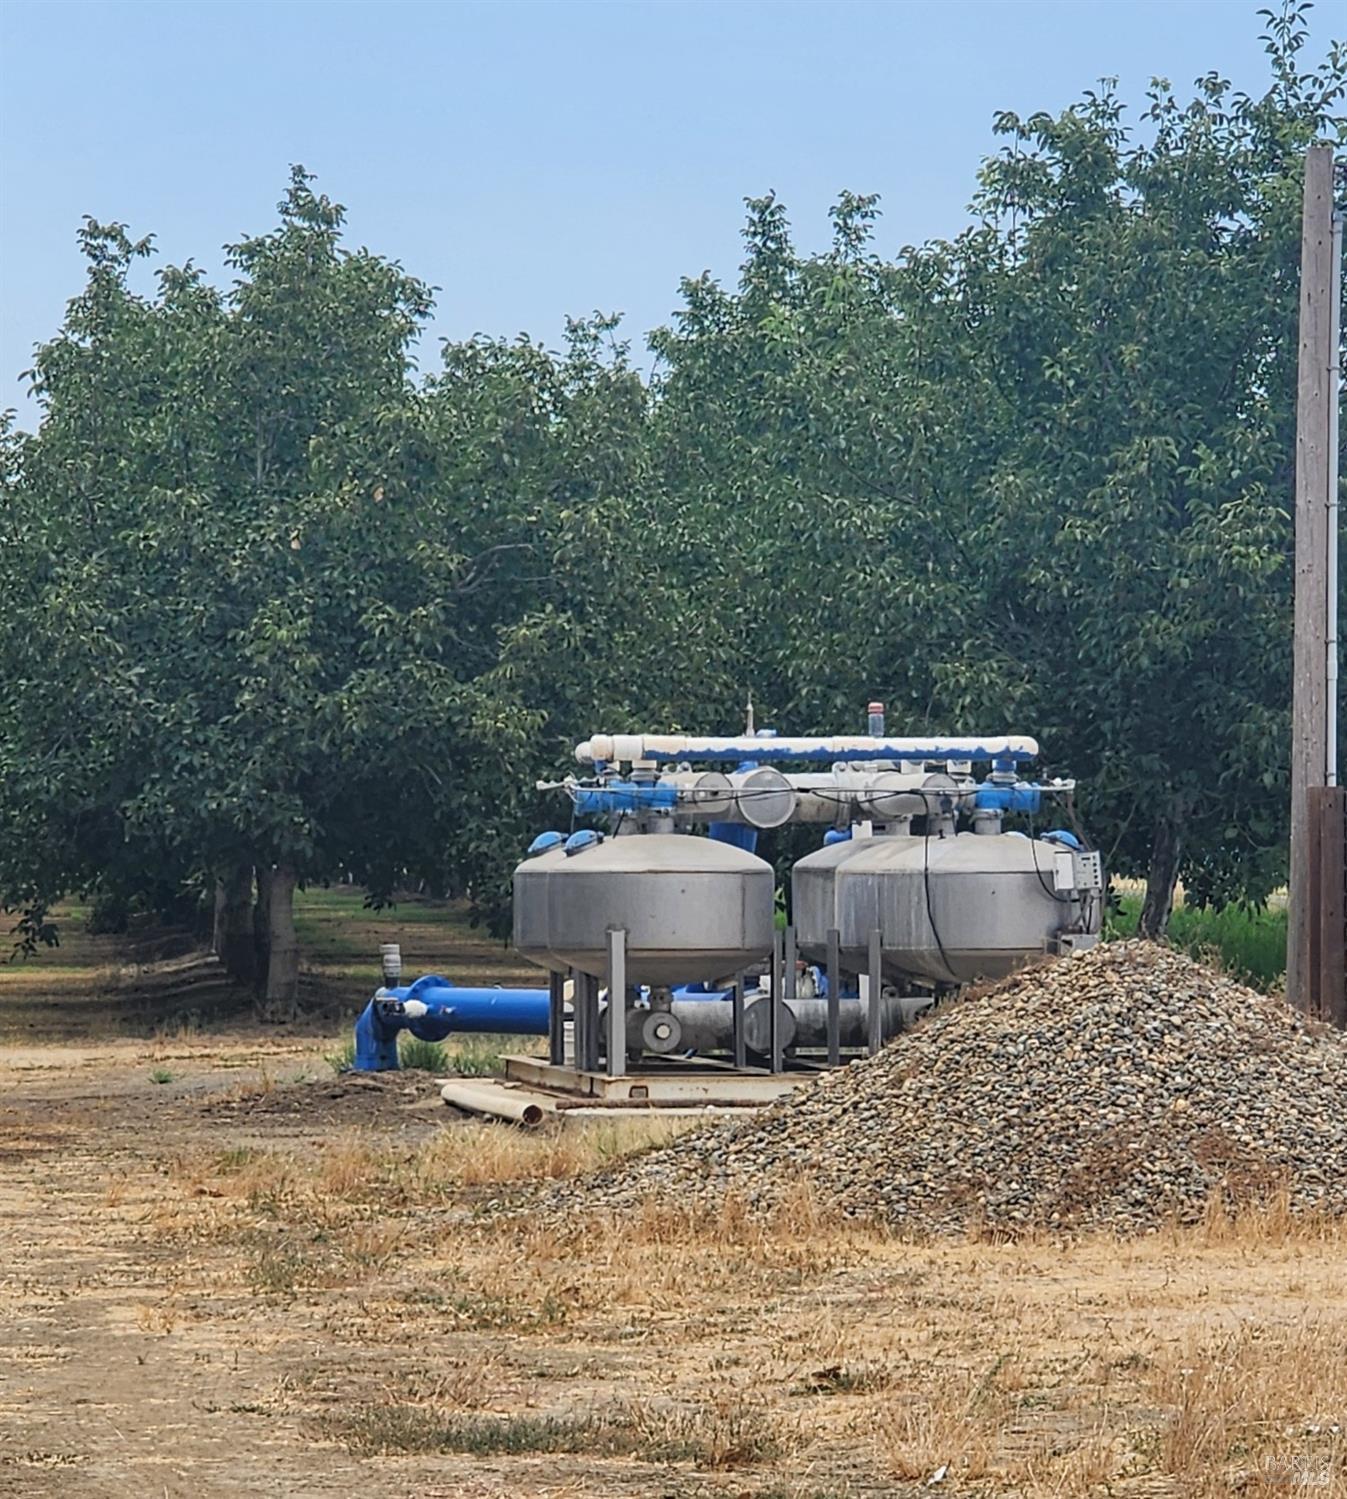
619 749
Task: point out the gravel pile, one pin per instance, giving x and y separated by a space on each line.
1113 1090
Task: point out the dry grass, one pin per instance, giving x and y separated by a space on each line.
1254 1405
281 1277
357 1169
727 1431
1041 1367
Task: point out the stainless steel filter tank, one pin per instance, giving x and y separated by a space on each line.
694 909
949 909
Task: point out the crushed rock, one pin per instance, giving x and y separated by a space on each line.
1115 1090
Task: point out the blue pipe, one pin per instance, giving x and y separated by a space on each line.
1017 797
737 834
433 1008
625 796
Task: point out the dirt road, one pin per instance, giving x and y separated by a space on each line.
126 1366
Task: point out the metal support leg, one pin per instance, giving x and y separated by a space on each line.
617 1002
586 1022
875 1012
834 998
737 1022
592 1026
579 1015
774 1007
788 975
556 1019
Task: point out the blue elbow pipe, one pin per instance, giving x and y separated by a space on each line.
433 1008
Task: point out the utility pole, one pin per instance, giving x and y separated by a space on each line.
1314 703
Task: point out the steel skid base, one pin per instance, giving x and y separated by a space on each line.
534 1089
589 1070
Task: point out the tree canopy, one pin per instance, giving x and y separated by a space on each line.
276 603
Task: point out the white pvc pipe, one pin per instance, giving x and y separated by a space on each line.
497 1101
624 748
830 796
1334 395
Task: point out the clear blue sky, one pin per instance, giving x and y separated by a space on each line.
535 160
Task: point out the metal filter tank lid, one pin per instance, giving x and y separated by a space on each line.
694 909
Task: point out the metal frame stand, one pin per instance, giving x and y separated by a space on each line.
577 1019
556 1019
737 1022
875 1006
617 1002
834 998
788 951
586 1022
774 1007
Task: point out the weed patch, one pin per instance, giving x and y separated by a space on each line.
733 1435
415 1055
342 1059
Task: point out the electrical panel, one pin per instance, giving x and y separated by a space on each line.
1090 872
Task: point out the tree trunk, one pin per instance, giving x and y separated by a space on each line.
281 1001
233 940
1162 875
262 932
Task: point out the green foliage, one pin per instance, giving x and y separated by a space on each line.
470 1056
110 913
272 599
1039 474
1248 942
161 1075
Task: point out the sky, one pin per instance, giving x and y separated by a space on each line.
536 160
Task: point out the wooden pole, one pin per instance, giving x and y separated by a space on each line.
1333 881
1328 917
1309 715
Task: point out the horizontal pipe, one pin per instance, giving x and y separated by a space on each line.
804 1022
432 1000
433 1009
500 1103
837 796
621 748
623 796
